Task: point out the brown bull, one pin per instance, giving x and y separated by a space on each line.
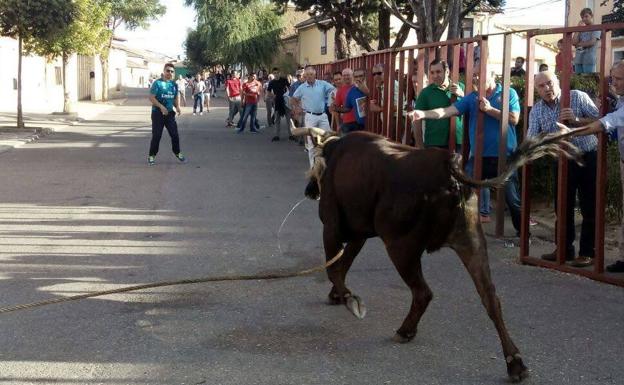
415 201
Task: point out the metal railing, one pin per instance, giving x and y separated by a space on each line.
402 63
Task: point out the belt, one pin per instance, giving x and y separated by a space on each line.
314 113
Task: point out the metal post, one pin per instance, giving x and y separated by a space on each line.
526 170
601 172
562 177
502 144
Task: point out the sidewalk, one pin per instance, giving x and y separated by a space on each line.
543 234
39 124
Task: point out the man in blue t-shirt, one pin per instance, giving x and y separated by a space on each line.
490 104
357 100
164 98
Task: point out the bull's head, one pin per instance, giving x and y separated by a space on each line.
320 138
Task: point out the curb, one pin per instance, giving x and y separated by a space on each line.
11 137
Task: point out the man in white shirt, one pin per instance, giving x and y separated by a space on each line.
609 123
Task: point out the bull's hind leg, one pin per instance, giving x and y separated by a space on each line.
468 241
406 258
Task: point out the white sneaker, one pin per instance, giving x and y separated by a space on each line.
194 114
201 113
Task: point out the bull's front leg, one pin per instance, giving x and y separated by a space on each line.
340 294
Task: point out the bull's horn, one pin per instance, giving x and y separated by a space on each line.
300 131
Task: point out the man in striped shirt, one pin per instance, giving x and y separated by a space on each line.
582 179
610 123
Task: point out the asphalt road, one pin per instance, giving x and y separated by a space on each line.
81 211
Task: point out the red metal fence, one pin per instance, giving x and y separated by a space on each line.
395 85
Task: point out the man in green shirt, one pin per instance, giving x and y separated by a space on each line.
438 94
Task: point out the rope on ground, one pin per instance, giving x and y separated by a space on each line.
251 277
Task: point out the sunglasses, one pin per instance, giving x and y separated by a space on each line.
170 71
358 76
377 73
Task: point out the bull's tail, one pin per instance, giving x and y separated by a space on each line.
530 150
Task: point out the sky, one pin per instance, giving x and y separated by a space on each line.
167 34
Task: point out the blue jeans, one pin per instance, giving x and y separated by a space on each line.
512 191
199 99
585 68
250 111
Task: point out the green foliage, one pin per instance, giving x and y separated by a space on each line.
35 19
357 18
230 32
86 34
133 13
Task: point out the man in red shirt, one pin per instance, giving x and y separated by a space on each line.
349 122
233 92
251 94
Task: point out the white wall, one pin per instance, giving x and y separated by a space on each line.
40 91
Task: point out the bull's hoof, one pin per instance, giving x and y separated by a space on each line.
402 337
516 369
356 306
333 298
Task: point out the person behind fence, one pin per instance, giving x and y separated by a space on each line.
199 86
377 106
310 98
233 92
581 179
585 43
348 122
439 93
278 87
357 100
490 104
251 94
611 122
165 98
517 69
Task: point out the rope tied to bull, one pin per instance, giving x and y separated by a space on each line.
247 277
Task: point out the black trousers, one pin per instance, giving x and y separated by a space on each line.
581 180
159 121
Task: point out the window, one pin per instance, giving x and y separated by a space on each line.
467 28
58 75
618 55
589 4
323 42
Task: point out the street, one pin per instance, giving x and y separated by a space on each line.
82 211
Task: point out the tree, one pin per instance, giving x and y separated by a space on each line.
361 21
33 20
435 16
86 35
133 14
244 31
